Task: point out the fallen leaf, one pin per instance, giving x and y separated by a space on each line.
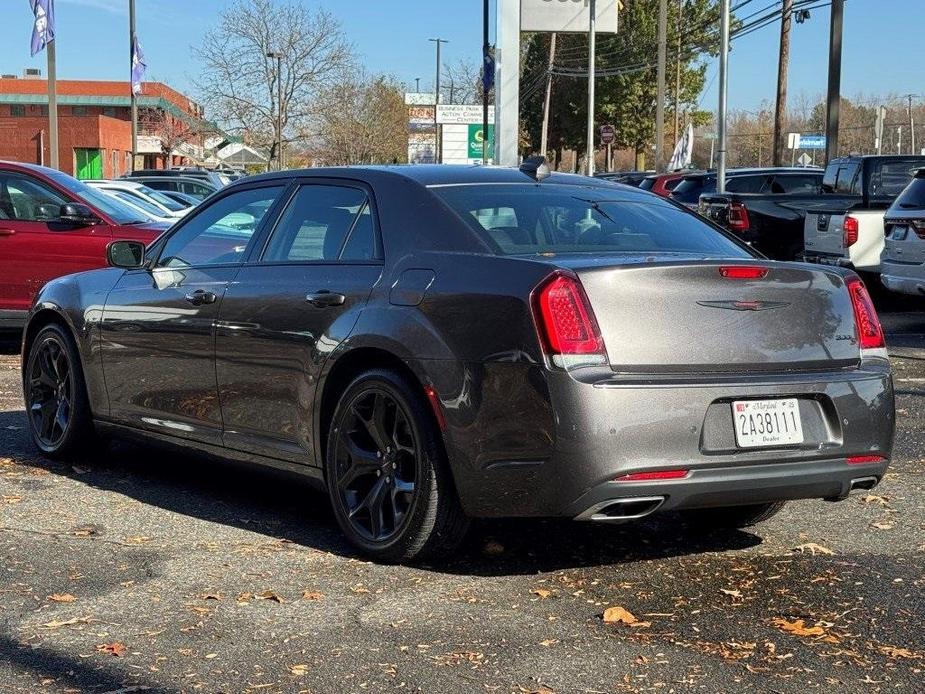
797 627
896 652
299 670
733 593
883 525
312 595
83 532
359 590
618 615
211 596
268 595
66 622
244 598
812 548
549 642
875 499
115 648
543 593
209 656
10 499
138 540
61 597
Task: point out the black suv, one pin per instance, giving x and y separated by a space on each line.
757 180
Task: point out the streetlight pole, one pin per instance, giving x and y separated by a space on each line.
131 60
279 55
438 140
417 85
723 92
591 60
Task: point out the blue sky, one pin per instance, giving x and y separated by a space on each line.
881 43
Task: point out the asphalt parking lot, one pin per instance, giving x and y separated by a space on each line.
137 570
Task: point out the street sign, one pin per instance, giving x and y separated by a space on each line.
420 99
793 141
805 159
476 137
568 15
462 114
608 134
812 142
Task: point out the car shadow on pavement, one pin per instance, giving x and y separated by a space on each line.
288 507
9 343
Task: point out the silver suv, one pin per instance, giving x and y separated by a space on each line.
902 263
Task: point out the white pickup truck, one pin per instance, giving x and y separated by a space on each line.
849 230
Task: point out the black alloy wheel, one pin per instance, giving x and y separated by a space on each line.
376 464
56 400
386 470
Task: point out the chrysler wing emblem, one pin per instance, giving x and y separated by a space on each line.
744 305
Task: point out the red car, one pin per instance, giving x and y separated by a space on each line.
663 184
51 224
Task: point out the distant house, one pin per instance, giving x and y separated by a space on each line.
94 125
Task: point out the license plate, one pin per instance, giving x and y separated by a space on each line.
899 233
765 423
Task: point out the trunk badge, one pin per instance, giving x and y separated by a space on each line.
744 305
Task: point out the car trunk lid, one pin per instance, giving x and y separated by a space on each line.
664 317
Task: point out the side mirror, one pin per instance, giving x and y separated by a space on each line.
77 213
128 255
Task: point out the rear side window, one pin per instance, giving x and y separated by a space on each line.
746 184
689 189
324 223
647 183
796 184
889 178
913 197
532 219
842 178
672 183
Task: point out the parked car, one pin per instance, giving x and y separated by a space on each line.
165 206
664 184
181 198
51 224
772 218
144 209
848 229
902 263
194 187
627 178
213 178
745 180
434 343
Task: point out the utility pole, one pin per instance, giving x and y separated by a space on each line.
911 126
834 94
53 102
780 107
677 77
592 58
723 90
131 59
279 55
437 133
660 90
544 133
486 55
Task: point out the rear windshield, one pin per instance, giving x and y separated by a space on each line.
647 183
913 197
530 219
889 178
690 188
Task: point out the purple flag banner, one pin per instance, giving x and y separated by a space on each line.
43 31
138 66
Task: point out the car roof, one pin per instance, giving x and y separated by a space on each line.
187 179
744 171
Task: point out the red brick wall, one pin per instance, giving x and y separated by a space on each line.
94 88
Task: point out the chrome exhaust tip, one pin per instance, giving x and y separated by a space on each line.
625 509
864 483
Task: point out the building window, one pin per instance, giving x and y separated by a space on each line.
17 110
43 110
79 110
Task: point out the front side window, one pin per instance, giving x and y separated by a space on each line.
324 223
542 219
28 200
219 234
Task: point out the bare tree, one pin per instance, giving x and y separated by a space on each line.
169 129
362 119
462 83
239 81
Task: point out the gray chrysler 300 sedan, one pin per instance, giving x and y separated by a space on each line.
432 344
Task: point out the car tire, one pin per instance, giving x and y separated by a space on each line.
53 379
387 473
733 516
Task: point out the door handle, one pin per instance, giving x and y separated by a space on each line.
7 232
200 297
325 298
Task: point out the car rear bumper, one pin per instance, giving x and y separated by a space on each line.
606 429
903 278
827 259
12 320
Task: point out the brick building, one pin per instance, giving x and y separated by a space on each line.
94 126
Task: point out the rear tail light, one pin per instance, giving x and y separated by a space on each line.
870 333
850 232
652 476
567 327
743 272
918 225
738 217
